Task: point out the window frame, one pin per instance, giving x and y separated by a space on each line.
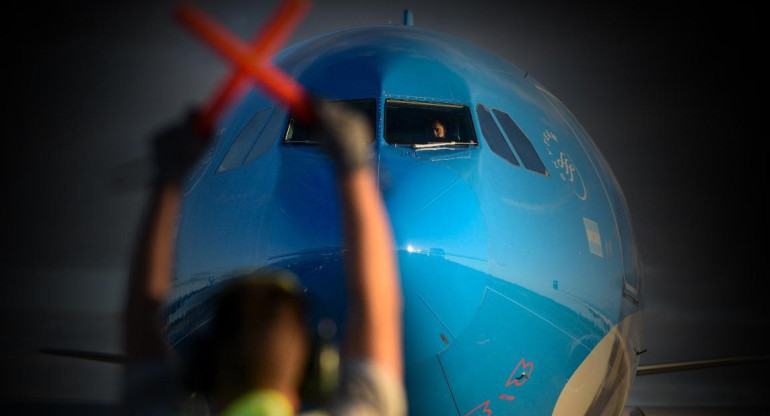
291 120
269 110
504 142
522 135
386 101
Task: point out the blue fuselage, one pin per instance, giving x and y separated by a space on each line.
508 267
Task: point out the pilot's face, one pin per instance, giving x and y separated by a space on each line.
438 130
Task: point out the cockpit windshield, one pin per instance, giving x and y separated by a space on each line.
298 134
421 124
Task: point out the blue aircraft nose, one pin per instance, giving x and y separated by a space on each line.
440 235
431 196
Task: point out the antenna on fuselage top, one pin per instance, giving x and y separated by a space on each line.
408 18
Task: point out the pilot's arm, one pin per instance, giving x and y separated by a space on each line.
372 379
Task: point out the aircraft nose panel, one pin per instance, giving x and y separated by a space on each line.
432 202
509 361
440 235
440 299
475 344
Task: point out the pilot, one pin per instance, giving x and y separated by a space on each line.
438 130
257 345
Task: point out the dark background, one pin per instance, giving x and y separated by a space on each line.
669 92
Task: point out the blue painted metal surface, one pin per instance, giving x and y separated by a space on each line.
504 269
408 18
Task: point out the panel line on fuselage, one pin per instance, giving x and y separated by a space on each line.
488 289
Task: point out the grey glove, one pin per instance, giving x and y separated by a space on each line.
344 133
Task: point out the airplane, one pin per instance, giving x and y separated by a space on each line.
521 277
110 358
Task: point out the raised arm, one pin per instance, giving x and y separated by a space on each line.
373 285
175 150
150 277
373 328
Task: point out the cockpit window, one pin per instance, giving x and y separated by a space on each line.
244 141
426 124
298 134
494 137
274 128
520 142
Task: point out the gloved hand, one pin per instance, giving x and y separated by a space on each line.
344 133
176 149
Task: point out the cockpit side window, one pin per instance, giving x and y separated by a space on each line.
425 124
493 135
520 143
299 134
274 128
244 140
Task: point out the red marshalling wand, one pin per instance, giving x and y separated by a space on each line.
253 62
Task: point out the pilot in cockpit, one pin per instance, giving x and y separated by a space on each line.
438 130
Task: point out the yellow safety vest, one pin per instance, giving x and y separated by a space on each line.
260 403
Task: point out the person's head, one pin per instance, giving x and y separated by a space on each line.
437 129
259 338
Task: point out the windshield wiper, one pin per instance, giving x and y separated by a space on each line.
440 144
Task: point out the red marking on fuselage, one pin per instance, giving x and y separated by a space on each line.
506 397
523 368
486 410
